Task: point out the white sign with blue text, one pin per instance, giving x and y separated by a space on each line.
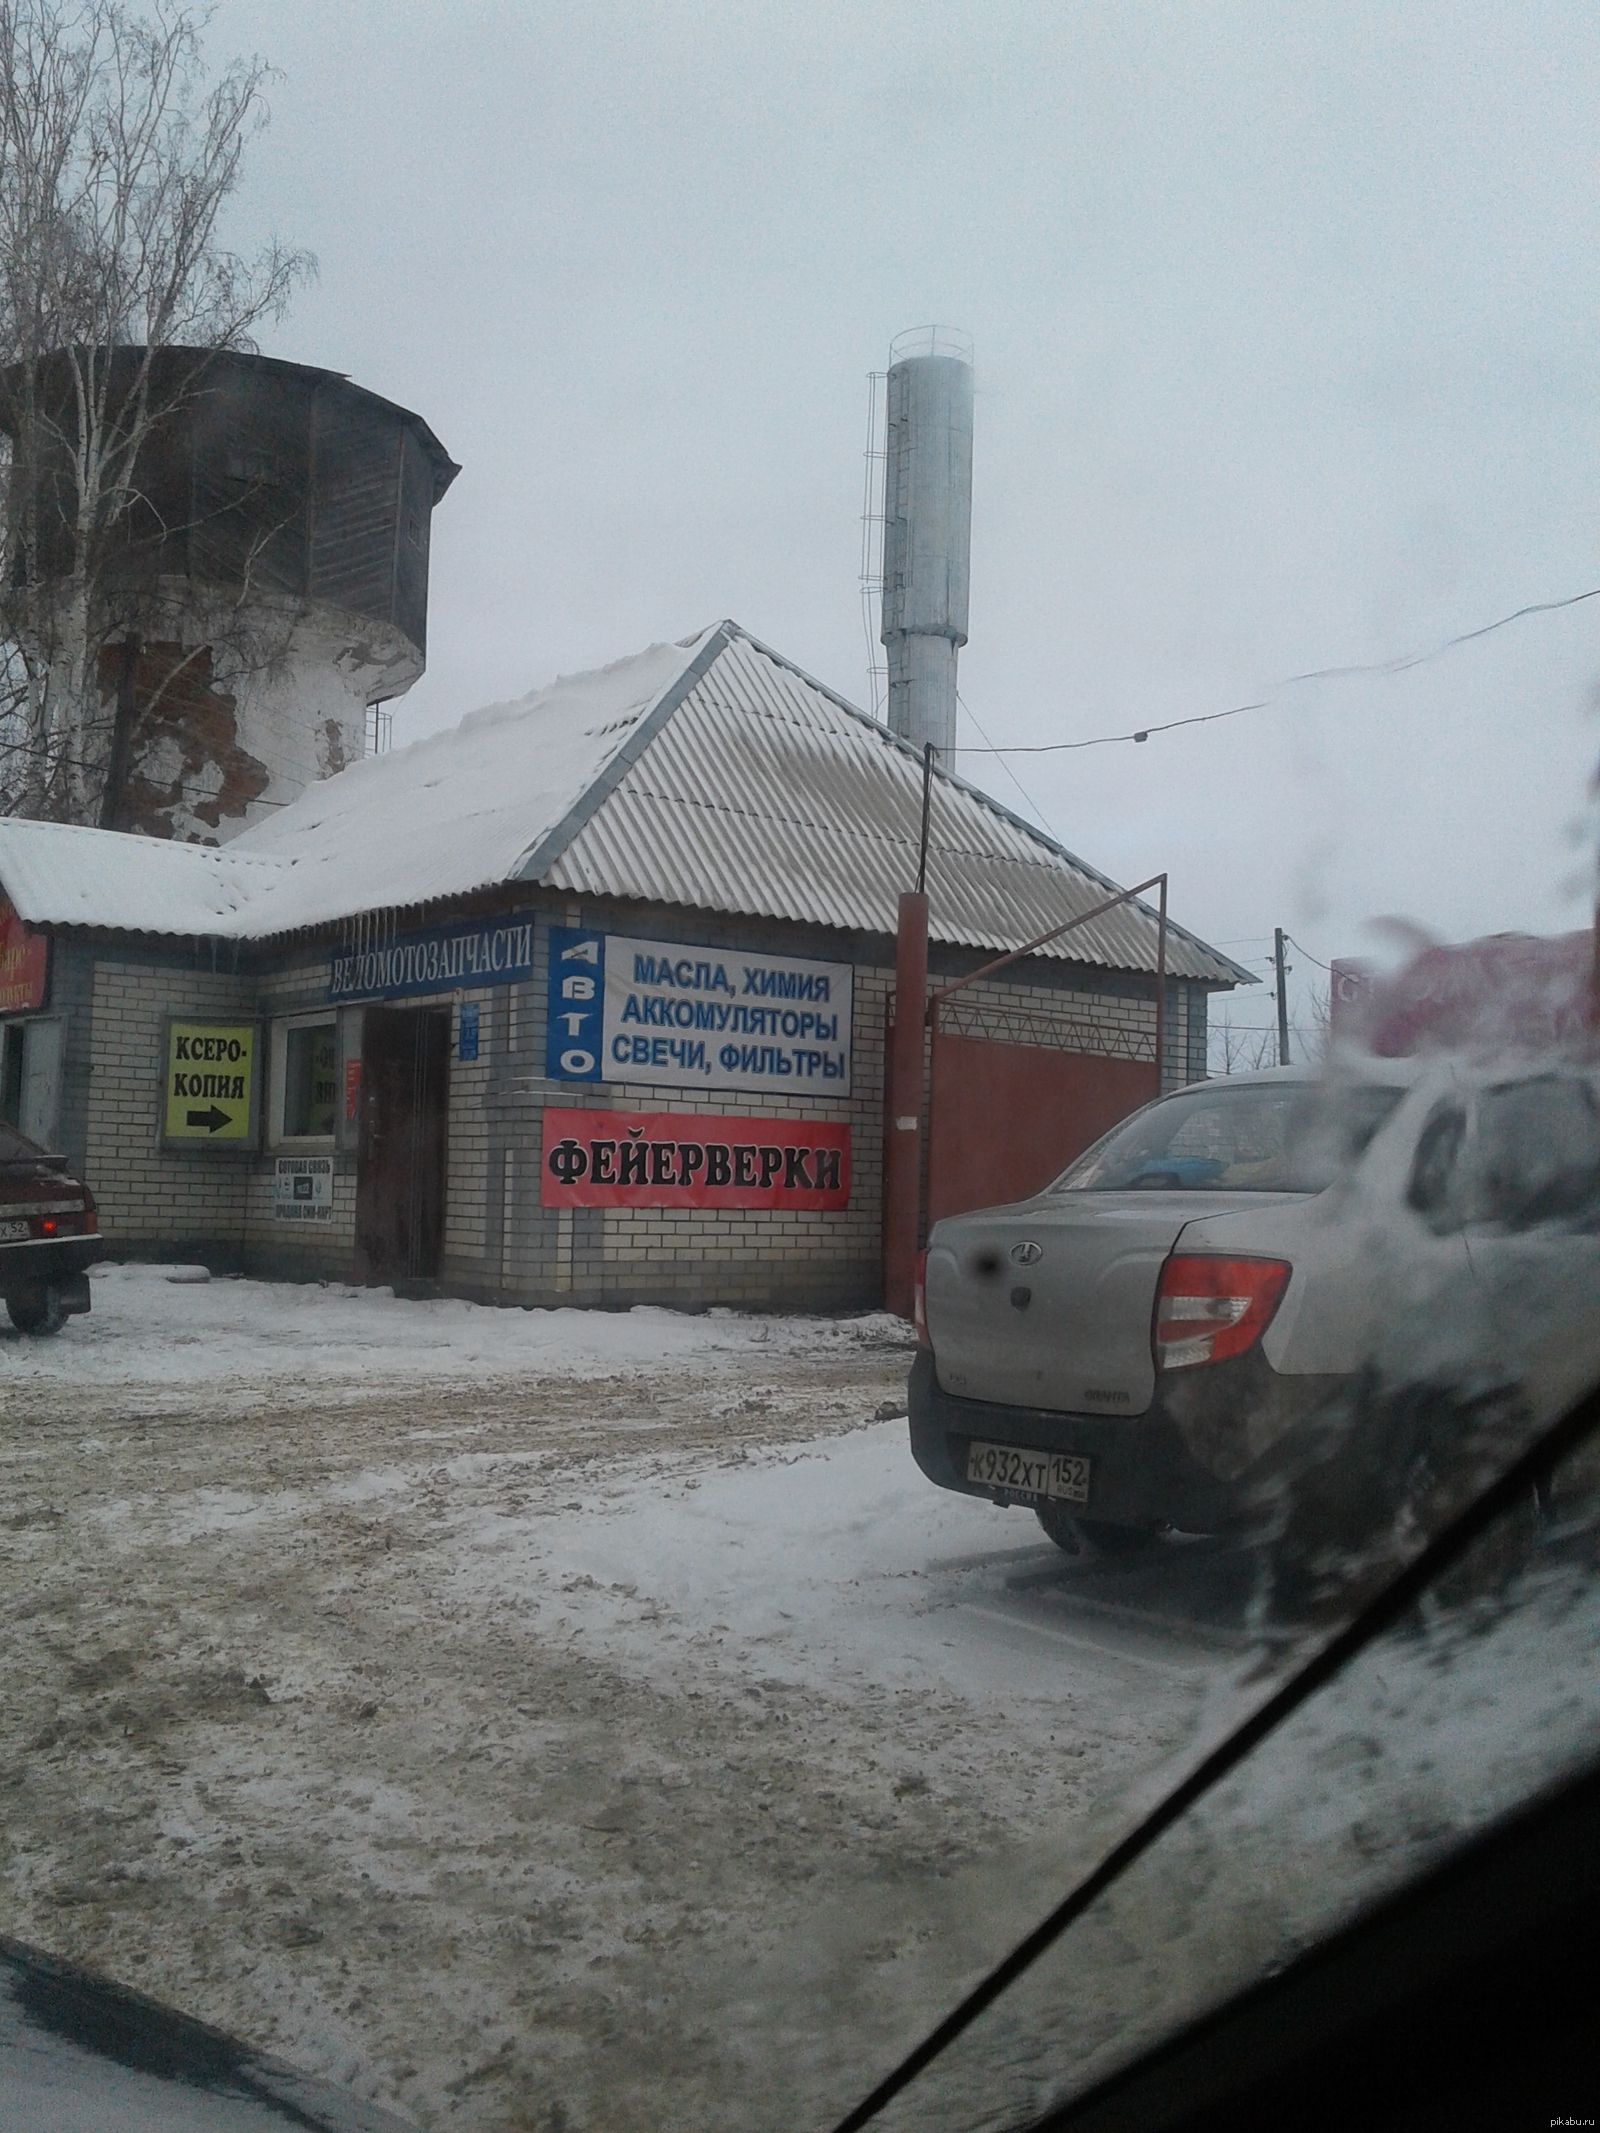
673 1016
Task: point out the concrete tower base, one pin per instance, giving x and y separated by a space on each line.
232 721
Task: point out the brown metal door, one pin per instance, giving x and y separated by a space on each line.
400 1162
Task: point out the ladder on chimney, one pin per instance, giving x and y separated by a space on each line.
876 457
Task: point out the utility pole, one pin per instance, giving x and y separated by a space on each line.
902 1167
1281 969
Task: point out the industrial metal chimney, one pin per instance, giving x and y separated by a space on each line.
927 530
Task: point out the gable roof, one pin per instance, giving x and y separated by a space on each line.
710 774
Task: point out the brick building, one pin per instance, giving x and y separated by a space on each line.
583 1001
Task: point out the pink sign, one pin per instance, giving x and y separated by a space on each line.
1509 989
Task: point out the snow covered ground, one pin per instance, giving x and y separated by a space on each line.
158 1330
544 1719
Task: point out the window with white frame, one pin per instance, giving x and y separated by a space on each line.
305 1060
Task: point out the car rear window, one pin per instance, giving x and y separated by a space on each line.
1262 1137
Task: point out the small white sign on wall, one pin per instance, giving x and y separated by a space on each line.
302 1189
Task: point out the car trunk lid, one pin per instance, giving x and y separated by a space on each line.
1048 1304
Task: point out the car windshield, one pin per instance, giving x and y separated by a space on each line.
1473 1698
1285 1136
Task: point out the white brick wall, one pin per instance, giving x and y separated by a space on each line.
1109 1025
147 1193
499 1241
474 1179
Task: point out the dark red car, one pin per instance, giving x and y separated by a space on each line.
49 1236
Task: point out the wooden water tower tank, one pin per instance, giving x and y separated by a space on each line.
274 572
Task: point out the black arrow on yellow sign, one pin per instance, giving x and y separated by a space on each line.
214 1120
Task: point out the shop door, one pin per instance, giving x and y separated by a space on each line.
400 1160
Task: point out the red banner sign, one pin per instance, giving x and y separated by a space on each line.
683 1159
24 964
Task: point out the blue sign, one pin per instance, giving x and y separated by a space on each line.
467 1030
576 1005
477 951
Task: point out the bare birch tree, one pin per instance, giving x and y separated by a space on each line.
116 161
1245 1050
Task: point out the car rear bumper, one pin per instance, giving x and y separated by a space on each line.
48 1261
1144 1468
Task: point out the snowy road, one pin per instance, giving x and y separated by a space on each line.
544 1719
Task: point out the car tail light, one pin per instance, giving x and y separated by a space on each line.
919 1300
91 1222
1209 1307
47 1225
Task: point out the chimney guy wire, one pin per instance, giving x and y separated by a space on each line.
1027 800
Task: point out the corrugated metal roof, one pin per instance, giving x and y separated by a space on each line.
58 875
709 774
764 794
472 807
456 812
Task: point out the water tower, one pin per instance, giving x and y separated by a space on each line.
927 530
268 585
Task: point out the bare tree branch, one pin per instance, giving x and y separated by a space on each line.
117 161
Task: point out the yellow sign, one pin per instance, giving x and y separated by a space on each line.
210 1087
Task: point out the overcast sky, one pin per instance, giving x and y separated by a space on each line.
1285 321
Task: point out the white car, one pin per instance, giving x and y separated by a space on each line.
1143 1342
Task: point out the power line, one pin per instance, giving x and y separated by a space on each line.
1382 667
1306 952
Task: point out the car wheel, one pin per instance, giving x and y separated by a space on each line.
1094 1540
36 1310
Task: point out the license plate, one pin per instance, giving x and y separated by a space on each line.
14 1232
1005 1466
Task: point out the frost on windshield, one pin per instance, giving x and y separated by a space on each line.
1476 1704
1465 1224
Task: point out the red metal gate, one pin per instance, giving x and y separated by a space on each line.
1004 1119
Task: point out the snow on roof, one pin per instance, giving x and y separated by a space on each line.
61 876
768 794
468 808
710 774
461 810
